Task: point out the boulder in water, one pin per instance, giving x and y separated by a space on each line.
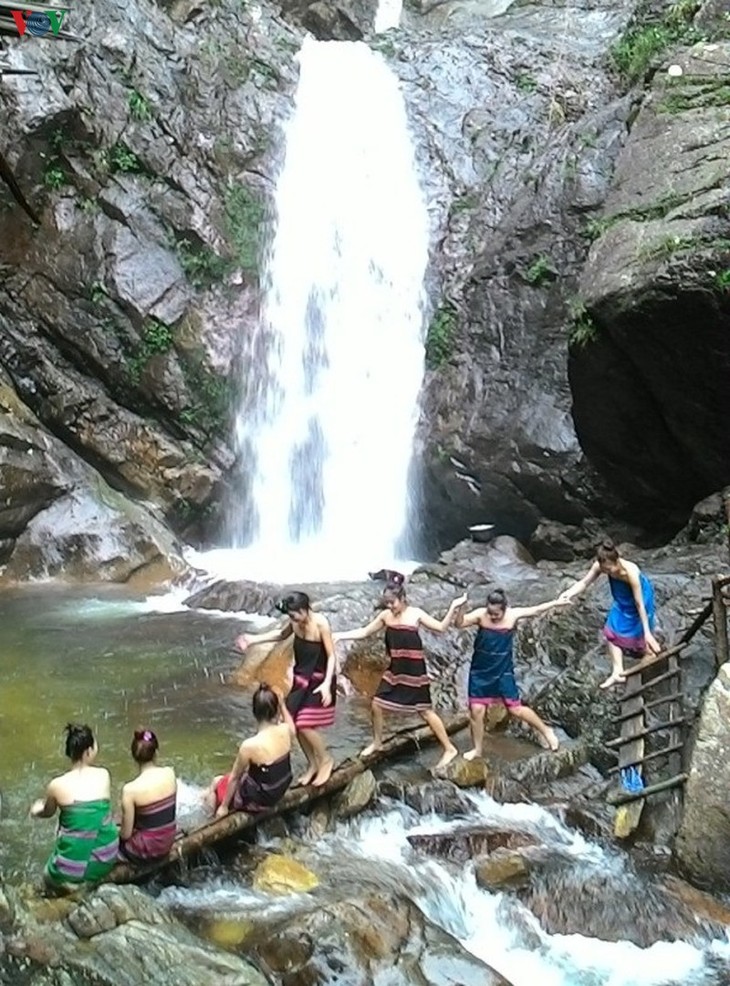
283 875
503 867
466 773
461 845
358 794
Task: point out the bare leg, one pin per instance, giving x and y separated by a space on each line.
308 776
476 727
438 730
533 719
376 715
210 798
617 666
323 762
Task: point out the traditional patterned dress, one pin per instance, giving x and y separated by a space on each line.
260 788
623 626
492 672
87 843
404 686
154 831
310 668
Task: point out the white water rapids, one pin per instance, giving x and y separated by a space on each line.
334 371
481 921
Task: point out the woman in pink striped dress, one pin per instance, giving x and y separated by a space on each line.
313 695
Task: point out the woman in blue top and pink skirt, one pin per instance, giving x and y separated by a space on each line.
492 672
630 624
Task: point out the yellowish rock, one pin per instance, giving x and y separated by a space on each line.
283 875
228 933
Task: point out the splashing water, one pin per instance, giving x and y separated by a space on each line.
373 851
330 402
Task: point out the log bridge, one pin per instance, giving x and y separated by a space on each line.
187 844
646 692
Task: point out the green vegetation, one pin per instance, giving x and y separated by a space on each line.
120 158
97 293
212 394
54 175
669 245
139 108
539 271
440 335
635 51
202 265
583 328
722 280
597 227
157 338
526 83
464 203
690 93
244 222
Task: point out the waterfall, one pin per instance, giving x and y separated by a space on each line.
330 402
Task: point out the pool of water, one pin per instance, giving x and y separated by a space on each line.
100 656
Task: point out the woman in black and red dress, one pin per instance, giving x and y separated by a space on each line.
404 686
311 700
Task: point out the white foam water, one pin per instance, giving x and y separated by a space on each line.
333 373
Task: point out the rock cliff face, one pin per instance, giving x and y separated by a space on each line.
149 151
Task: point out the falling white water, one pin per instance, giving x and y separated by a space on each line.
330 405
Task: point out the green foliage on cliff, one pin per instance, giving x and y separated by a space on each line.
202 265
539 271
643 43
211 393
120 158
440 335
156 338
583 329
139 108
244 225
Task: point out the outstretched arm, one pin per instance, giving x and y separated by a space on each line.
440 626
362 632
582 584
635 583
270 637
521 612
471 619
325 689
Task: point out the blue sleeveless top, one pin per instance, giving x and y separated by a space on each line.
492 673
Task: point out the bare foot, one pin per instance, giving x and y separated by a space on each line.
613 679
324 773
369 750
450 754
473 755
306 778
550 741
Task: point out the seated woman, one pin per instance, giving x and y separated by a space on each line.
87 840
148 804
261 772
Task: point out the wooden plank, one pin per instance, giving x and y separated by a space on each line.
647 731
647 662
675 696
626 799
225 828
650 756
646 685
676 739
631 753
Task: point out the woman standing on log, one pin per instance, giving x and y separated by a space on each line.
492 671
261 773
313 695
630 622
404 686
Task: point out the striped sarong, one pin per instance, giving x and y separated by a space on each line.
87 843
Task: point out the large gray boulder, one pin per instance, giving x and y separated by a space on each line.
703 842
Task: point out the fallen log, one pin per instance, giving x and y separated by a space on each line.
225 828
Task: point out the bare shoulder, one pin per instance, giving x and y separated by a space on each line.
631 568
321 621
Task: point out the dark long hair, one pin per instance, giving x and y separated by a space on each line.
79 739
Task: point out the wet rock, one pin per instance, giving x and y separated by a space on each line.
283 875
569 899
112 906
227 933
238 597
365 940
703 842
441 796
358 794
650 279
564 542
461 845
503 867
466 773
594 819
704 906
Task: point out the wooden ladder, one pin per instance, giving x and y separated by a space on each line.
643 694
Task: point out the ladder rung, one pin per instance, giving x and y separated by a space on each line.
624 797
650 705
650 756
625 740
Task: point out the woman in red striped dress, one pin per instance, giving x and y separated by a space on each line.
405 685
313 693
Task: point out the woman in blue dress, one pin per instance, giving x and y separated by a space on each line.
630 622
492 671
